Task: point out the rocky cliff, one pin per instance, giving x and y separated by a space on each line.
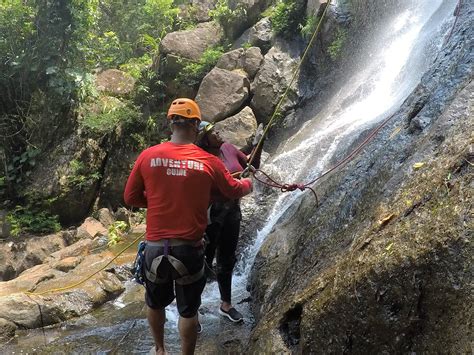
384 263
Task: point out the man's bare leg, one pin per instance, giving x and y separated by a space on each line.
188 333
156 319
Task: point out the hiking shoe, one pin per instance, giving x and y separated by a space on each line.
199 327
233 315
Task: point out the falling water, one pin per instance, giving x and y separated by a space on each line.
409 45
393 67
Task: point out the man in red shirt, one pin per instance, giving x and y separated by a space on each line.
173 180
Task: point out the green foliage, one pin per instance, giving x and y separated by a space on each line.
225 15
109 118
32 219
128 29
287 17
79 177
116 232
193 73
16 29
336 45
48 52
309 26
268 12
136 66
41 55
20 167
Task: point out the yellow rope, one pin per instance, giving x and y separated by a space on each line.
295 73
90 276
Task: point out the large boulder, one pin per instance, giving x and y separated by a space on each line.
177 49
36 310
246 14
249 60
17 256
239 128
90 228
222 93
273 78
70 177
259 35
114 81
191 44
200 9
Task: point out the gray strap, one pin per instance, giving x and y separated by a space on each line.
189 279
178 266
185 278
152 274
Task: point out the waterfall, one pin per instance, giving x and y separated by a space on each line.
394 62
394 66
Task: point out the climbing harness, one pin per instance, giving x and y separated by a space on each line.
138 264
181 273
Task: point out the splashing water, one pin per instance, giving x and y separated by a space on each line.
375 93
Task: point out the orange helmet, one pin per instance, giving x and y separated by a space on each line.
185 108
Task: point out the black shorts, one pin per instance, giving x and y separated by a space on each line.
188 297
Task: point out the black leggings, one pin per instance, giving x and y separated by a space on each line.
223 235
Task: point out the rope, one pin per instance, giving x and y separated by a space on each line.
285 93
283 187
90 276
292 187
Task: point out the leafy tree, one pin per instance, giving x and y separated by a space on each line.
288 17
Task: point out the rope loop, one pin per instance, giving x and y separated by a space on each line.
269 181
292 187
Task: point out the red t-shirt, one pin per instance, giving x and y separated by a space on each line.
174 182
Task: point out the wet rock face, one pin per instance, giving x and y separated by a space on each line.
221 94
384 263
